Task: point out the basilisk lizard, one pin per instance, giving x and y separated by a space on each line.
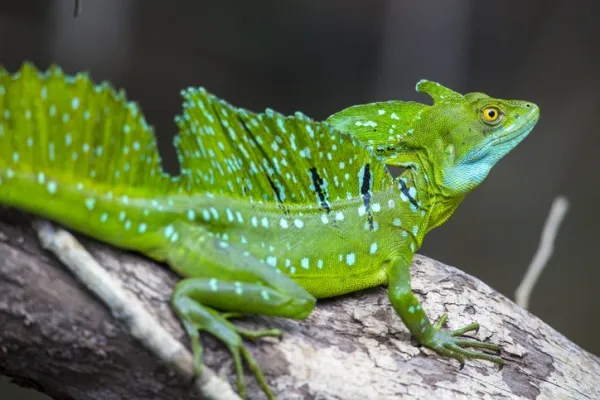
269 212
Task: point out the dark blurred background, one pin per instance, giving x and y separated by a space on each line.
320 56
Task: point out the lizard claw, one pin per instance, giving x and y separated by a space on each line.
452 344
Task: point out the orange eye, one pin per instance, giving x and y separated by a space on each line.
491 114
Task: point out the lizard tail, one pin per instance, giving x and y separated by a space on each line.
67 127
64 142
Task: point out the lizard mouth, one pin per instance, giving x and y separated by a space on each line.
518 134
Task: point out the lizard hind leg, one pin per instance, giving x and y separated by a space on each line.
193 301
196 317
224 281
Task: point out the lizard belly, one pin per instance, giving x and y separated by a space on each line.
326 255
324 263
335 285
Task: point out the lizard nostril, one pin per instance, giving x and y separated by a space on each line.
528 105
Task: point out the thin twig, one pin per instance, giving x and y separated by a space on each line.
545 249
77 9
130 311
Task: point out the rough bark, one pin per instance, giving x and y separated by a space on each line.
58 338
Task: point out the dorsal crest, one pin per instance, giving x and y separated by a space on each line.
270 157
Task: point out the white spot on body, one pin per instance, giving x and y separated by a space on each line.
304 263
90 203
272 261
191 215
239 216
373 248
51 186
350 259
169 230
238 288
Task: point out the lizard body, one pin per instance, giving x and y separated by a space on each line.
269 212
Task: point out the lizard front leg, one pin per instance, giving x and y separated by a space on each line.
223 282
449 343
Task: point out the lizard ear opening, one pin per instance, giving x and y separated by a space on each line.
438 92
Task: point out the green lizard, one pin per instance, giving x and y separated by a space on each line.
269 212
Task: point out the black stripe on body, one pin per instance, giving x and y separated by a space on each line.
404 190
319 189
365 191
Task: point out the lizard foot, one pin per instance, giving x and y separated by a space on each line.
196 318
452 344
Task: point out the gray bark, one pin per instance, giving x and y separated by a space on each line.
57 337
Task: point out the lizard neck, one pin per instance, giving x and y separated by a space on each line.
438 203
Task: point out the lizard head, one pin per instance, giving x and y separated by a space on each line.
456 141
473 132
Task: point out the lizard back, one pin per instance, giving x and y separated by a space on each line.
269 157
296 193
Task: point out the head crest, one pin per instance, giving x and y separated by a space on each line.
438 92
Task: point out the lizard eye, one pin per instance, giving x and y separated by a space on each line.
491 114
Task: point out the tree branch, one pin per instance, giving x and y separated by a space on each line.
57 337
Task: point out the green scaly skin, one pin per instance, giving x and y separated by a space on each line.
269 212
